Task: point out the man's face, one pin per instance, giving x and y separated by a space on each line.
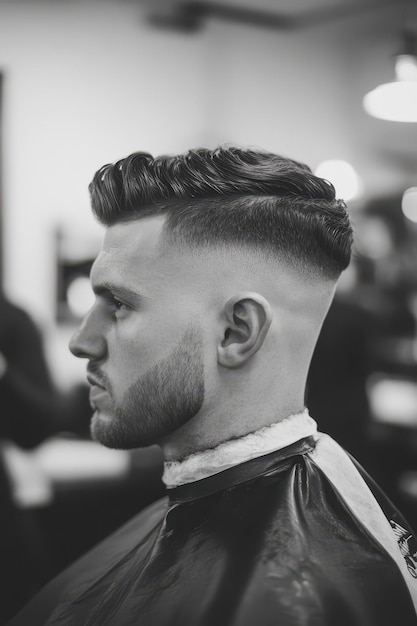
142 338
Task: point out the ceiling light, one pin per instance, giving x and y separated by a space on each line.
342 176
80 296
409 204
397 101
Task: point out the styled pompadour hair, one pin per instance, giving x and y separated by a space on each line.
231 196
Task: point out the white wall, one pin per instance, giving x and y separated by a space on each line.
278 90
85 83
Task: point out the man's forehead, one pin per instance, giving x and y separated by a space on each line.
130 249
141 234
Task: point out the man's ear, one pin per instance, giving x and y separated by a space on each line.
248 317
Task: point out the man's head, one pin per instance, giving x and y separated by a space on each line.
216 273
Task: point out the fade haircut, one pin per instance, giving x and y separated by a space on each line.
231 196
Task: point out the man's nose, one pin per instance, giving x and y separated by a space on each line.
88 341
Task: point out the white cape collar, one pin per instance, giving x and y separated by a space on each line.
264 441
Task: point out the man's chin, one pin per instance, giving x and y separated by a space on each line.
102 429
110 430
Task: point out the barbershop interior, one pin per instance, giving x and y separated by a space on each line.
332 83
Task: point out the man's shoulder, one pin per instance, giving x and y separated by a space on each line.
371 509
91 566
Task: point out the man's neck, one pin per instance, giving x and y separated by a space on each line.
207 431
269 439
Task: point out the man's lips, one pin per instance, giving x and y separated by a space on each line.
94 382
97 391
97 395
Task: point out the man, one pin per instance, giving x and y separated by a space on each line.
217 270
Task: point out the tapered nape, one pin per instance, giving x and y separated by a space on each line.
231 195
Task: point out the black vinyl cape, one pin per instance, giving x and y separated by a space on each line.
271 542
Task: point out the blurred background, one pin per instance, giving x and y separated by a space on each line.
332 83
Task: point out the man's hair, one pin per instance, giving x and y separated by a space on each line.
231 196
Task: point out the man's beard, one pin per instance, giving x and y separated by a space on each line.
158 403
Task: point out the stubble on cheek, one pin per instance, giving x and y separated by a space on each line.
159 402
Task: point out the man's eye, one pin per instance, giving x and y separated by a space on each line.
118 307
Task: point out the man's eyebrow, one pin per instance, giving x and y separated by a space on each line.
106 287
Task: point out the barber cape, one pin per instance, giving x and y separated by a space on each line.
278 528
